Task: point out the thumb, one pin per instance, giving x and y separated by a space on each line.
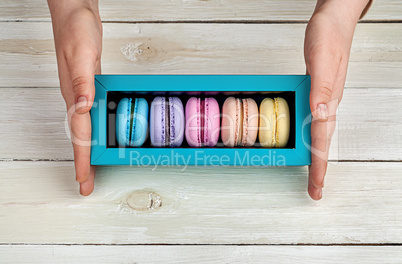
323 68
82 66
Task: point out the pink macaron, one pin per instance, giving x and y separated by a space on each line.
202 122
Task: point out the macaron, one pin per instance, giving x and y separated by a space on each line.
132 122
167 122
239 122
202 122
274 123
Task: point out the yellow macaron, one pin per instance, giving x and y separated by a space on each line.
274 123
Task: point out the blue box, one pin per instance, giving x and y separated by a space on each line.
105 152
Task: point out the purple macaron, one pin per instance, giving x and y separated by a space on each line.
167 122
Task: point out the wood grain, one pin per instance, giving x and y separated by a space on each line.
199 254
201 205
28 57
135 211
193 10
33 125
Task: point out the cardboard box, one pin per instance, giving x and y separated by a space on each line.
111 88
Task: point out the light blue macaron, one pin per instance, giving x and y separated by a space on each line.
132 122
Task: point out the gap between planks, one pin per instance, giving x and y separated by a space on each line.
289 22
219 244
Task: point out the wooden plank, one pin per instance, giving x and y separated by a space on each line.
190 10
363 121
199 254
33 125
28 57
39 203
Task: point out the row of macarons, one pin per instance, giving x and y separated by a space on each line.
201 122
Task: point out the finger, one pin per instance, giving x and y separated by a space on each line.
315 193
80 132
322 64
79 122
82 64
85 173
321 135
81 139
87 187
320 142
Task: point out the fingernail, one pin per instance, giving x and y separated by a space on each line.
322 111
82 102
320 194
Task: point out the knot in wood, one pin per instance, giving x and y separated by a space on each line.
144 200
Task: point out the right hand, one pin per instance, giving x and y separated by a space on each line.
77 30
328 40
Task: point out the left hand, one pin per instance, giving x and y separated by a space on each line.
327 46
77 30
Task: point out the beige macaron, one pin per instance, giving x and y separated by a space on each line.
274 123
239 122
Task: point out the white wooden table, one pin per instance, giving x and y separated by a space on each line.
207 215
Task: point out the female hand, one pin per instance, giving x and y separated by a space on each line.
77 30
327 46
